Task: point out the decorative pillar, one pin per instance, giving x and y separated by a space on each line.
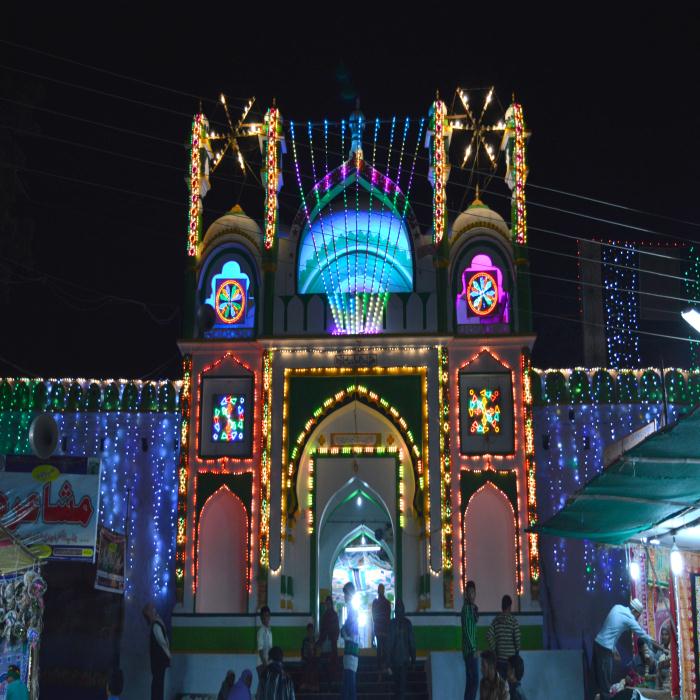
271 173
438 137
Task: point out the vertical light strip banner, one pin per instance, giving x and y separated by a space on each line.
195 208
445 474
183 478
519 206
273 126
439 162
531 492
265 463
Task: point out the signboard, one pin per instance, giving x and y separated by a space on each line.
110 562
54 503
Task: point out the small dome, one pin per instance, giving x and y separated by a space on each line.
235 221
479 215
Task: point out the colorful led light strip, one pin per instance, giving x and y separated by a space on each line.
445 461
439 163
266 461
530 471
195 217
380 307
329 296
183 477
423 478
272 177
519 208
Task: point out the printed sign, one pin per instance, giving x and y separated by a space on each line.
52 502
110 561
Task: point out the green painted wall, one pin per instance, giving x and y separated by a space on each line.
242 639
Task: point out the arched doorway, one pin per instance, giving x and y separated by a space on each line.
363 554
353 491
223 555
489 546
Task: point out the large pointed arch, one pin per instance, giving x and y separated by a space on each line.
354 392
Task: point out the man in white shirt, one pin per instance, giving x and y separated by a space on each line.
264 638
620 619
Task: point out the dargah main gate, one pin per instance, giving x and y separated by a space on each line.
356 402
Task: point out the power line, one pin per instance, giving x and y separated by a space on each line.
114 74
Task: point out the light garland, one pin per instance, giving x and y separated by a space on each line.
519 207
354 451
195 208
445 456
439 162
332 402
266 461
271 176
183 477
619 267
530 472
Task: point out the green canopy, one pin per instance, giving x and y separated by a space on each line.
653 482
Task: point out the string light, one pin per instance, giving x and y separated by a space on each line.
530 469
266 460
445 460
439 163
353 392
519 211
272 124
619 269
183 477
195 217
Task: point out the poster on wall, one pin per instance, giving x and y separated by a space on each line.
486 413
110 561
54 503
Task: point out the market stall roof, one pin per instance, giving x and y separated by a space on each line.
14 556
649 486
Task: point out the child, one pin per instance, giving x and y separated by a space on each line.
516 670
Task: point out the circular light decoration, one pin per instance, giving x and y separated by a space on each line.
230 301
482 293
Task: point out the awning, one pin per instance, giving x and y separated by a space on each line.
655 481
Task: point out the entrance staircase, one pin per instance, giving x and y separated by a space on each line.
369 687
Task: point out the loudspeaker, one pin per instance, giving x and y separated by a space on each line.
43 435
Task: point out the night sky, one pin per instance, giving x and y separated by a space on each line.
92 180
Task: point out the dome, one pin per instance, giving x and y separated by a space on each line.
479 215
235 221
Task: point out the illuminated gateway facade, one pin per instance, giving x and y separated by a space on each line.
356 401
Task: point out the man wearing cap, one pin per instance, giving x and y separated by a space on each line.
620 619
16 690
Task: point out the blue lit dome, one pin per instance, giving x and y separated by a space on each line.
357 243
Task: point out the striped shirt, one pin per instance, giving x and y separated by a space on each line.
470 616
503 636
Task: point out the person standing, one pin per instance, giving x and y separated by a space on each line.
328 640
504 636
470 616
159 649
264 639
620 619
381 614
401 650
351 637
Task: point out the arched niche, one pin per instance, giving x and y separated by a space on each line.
489 546
231 269
222 557
481 260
